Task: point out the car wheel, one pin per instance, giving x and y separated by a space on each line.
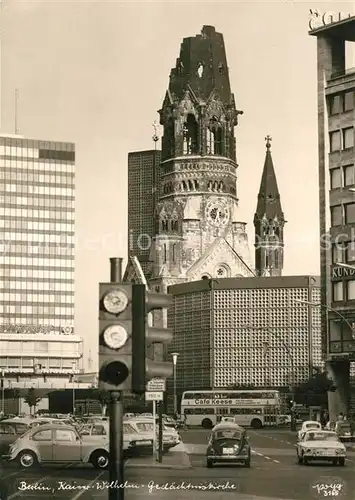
100 459
342 461
207 423
300 459
247 464
209 464
27 459
256 423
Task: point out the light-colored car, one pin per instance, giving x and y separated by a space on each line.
307 426
320 445
133 441
53 443
145 425
342 428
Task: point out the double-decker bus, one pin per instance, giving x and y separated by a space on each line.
250 408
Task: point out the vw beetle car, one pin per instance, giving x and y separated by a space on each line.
342 428
53 443
320 445
307 426
228 443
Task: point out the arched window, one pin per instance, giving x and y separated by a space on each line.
164 248
164 225
174 225
173 252
266 261
276 258
190 136
214 137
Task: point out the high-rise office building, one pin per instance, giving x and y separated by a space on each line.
37 217
143 183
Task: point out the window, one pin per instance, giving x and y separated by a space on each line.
335 178
350 290
43 435
349 213
337 253
214 137
350 252
336 215
348 137
165 253
348 101
338 295
349 178
335 141
190 135
65 435
335 105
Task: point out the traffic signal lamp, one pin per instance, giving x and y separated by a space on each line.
143 335
115 330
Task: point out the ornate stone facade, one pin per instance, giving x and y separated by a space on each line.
198 230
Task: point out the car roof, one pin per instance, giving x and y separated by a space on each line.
15 420
227 426
60 427
311 422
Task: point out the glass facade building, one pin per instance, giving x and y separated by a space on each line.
37 221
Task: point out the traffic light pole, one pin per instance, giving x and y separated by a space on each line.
116 467
160 447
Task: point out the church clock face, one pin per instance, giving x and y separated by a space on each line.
217 214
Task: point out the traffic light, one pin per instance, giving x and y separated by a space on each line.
115 329
143 335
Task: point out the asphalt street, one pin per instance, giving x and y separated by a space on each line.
274 473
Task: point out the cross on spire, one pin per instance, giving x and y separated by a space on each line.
268 140
155 136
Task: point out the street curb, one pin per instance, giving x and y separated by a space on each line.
181 456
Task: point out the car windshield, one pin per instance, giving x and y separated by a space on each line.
228 434
312 426
321 436
128 429
145 426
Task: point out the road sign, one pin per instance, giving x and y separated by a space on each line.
156 384
154 396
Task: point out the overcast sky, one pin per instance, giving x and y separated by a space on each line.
95 73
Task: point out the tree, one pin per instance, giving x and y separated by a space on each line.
315 390
102 396
32 398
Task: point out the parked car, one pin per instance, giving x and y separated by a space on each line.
308 425
228 443
133 441
54 443
145 425
10 430
321 445
342 428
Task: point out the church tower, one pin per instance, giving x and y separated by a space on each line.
198 233
269 222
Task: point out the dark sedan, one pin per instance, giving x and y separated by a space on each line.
228 443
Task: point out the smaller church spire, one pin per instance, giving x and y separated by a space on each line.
269 221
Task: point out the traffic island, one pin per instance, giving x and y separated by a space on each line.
171 460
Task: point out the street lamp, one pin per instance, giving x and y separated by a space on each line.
329 308
290 357
175 356
2 392
74 367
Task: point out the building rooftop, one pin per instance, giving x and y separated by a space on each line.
244 283
344 29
